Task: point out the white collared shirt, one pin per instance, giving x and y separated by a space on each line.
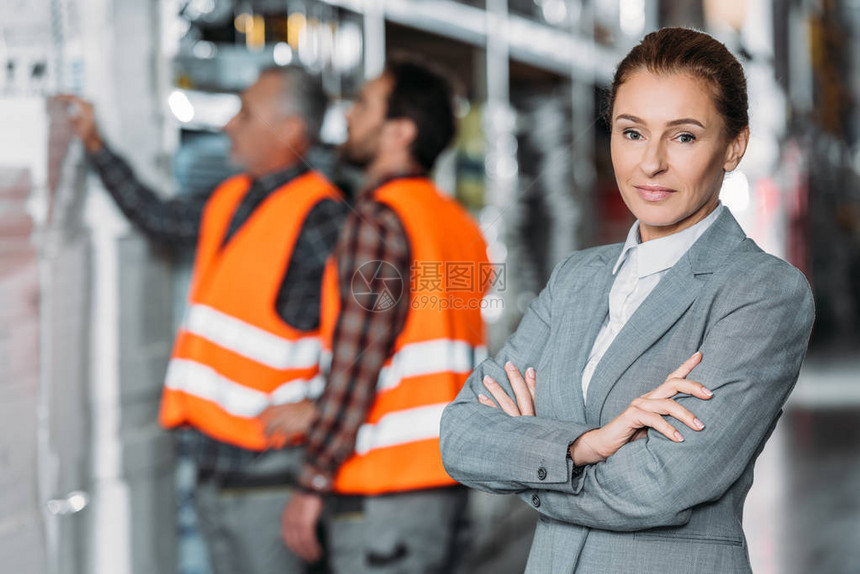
638 270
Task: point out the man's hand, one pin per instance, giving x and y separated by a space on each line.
83 122
288 423
299 525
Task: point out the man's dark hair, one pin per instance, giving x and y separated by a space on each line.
425 96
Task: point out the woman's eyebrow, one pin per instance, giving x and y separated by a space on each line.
678 122
628 117
684 121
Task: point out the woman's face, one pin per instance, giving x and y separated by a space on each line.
669 151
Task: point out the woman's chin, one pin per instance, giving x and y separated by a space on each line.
658 215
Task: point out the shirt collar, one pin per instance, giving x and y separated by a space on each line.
661 254
272 181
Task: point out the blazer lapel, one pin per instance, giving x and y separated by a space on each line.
665 305
584 310
661 309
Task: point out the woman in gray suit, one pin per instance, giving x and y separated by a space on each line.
625 476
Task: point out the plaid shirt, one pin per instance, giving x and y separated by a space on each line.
176 223
372 316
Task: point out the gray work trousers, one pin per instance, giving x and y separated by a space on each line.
242 524
418 532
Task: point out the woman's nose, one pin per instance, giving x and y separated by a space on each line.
654 158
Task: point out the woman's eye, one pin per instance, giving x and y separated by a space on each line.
632 135
686 138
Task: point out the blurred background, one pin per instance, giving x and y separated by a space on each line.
90 484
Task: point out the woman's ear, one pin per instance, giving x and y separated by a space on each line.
736 150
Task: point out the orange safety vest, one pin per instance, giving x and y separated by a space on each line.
443 340
234 356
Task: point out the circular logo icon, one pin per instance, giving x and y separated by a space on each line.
377 286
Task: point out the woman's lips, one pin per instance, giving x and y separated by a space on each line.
653 192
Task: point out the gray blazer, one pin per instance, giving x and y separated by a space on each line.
655 506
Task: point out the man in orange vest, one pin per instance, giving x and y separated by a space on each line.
250 340
401 322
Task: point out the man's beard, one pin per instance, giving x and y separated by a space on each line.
357 158
361 152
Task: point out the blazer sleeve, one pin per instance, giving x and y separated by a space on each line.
752 353
486 449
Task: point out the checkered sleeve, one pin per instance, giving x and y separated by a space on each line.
174 222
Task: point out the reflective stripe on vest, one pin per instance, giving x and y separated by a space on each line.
234 356
428 357
204 382
250 341
400 427
424 358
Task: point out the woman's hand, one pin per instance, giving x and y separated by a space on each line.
643 413
524 391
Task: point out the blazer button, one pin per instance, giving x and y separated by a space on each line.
541 473
536 500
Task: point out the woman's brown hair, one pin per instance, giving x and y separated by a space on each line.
685 51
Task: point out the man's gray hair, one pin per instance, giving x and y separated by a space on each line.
303 96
